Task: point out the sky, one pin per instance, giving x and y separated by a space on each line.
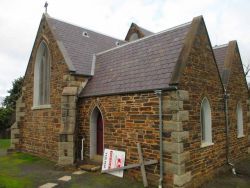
19 20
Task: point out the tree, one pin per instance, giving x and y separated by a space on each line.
14 94
9 104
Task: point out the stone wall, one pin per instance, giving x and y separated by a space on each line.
39 128
201 79
238 92
175 137
128 120
68 133
248 124
15 128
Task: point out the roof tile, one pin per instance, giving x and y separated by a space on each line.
145 64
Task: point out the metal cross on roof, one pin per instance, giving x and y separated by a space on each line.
46 6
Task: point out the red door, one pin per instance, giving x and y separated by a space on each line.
99 135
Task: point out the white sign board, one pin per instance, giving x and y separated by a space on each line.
113 159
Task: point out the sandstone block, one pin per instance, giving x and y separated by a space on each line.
69 91
74 84
174 168
180 157
23 88
169 126
181 180
172 147
179 136
169 105
181 116
20 105
248 125
248 101
65 160
181 95
68 78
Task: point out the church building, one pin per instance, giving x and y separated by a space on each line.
185 102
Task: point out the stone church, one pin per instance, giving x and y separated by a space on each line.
183 100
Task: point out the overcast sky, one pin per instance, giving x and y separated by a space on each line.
19 20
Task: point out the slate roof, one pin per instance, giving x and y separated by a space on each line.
220 54
141 65
77 49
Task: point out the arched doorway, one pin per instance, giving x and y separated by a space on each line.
96 133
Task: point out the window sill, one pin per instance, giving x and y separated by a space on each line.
206 144
241 136
45 106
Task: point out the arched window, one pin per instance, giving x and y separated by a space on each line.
42 76
206 123
239 114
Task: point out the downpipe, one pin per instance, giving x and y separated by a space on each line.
159 95
226 96
83 139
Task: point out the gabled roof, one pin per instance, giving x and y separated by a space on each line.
141 65
141 32
225 58
220 55
78 49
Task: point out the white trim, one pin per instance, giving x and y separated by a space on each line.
93 132
220 46
206 125
36 85
239 118
206 144
153 35
38 107
240 136
93 65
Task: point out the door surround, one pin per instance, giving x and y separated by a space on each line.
93 132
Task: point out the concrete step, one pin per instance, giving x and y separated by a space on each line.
90 167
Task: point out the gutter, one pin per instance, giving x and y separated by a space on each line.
159 95
226 96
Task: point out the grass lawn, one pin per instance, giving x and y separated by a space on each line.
4 143
20 170
13 173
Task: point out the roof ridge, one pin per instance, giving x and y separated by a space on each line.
154 34
220 46
97 32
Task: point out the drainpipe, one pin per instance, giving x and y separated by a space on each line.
83 139
159 95
226 96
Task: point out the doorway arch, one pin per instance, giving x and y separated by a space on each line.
96 133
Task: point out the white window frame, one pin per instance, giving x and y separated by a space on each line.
41 94
206 123
239 117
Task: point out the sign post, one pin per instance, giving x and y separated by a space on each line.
113 159
141 164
